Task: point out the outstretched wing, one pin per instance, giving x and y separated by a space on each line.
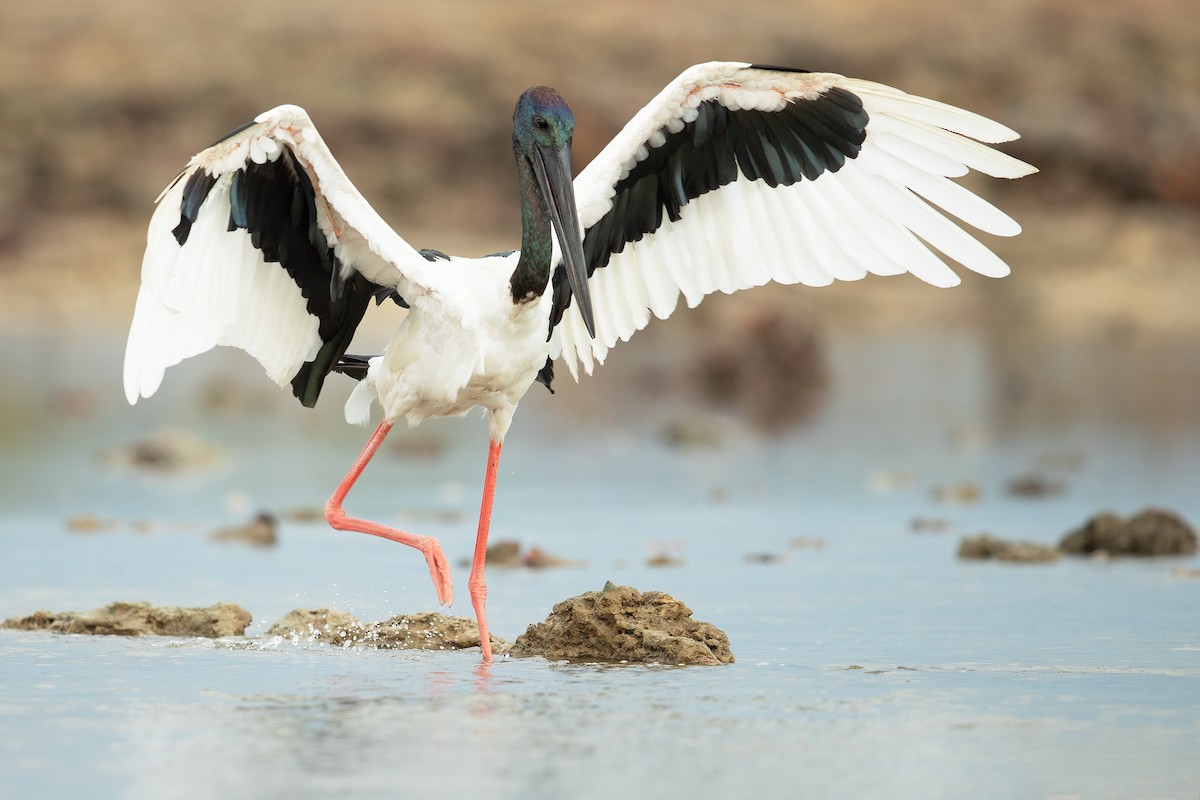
263 243
736 175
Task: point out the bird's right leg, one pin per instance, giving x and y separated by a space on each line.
439 567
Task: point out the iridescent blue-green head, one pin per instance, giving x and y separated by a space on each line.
543 125
542 117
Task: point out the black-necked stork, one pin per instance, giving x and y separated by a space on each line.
733 176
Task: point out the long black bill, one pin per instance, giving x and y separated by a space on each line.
553 170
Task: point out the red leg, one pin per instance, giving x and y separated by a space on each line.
439 567
476 583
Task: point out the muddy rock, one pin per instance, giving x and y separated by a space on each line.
666 554
258 532
140 619
429 630
318 624
504 553
303 514
424 631
1035 485
165 451
985 546
537 558
508 553
1153 532
619 623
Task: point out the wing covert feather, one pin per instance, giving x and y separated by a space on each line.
736 175
262 243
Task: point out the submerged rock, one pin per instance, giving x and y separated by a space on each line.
661 559
258 532
165 451
507 553
985 546
140 619
1035 485
619 623
504 553
318 624
1153 532
427 630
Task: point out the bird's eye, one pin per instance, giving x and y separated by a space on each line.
540 123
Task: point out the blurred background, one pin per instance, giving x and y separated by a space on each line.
102 103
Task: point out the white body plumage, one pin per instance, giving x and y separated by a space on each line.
463 344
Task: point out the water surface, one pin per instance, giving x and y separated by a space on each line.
876 665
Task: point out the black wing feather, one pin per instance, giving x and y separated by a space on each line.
276 204
801 141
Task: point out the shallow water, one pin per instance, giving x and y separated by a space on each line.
878 665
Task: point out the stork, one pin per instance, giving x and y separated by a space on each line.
733 176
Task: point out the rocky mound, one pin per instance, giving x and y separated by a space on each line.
619 623
424 631
140 619
1152 532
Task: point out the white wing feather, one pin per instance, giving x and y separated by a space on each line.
871 216
216 289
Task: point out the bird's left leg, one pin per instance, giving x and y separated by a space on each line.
439 567
476 584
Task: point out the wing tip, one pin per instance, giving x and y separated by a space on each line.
1021 170
140 382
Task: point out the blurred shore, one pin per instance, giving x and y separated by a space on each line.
102 104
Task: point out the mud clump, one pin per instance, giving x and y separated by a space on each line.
427 630
258 532
505 553
661 559
1035 485
318 624
168 451
985 546
621 624
140 619
508 554
1152 532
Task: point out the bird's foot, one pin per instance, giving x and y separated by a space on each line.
439 570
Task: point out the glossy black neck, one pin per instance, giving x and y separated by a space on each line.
532 273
